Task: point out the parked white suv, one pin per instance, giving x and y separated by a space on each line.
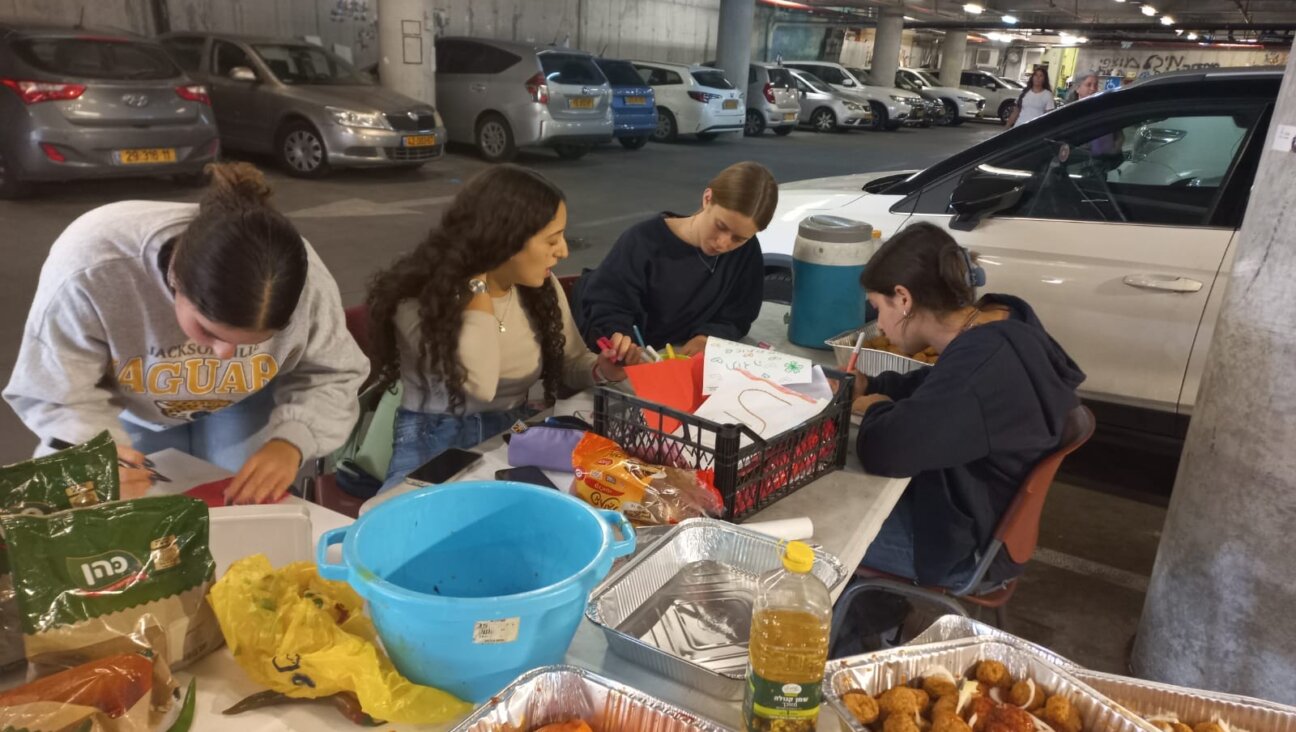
958 104
1000 96
891 107
1114 216
692 100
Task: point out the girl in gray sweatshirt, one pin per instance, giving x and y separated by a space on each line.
213 328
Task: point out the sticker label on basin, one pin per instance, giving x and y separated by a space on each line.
495 631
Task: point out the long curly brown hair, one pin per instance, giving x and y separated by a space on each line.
488 222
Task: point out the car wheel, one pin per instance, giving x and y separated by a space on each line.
633 143
778 286
10 186
879 116
1006 110
949 115
495 139
755 123
667 129
301 151
568 151
784 131
707 136
823 120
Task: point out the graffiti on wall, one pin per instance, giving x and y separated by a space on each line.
1151 64
1141 64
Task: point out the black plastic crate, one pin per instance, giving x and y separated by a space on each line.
749 477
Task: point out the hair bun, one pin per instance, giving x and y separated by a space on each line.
235 186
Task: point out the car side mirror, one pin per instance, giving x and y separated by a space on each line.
242 73
848 82
802 92
983 193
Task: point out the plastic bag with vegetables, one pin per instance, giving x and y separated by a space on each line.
308 638
606 477
83 475
111 694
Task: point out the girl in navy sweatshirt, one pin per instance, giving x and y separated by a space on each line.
680 279
967 430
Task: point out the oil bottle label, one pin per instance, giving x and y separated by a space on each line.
786 707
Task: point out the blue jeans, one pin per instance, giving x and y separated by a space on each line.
226 438
418 437
892 551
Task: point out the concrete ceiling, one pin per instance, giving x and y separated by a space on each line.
1128 17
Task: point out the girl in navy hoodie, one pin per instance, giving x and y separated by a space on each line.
967 430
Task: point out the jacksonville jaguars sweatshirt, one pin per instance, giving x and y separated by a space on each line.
102 343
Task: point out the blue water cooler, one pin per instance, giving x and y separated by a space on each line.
827 261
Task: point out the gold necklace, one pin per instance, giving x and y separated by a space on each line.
508 302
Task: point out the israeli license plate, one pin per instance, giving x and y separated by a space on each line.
581 102
790 117
731 104
636 101
420 140
145 156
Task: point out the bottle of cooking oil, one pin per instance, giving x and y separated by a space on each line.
791 619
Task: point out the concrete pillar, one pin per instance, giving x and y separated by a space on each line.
953 50
406 57
1218 611
734 41
886 47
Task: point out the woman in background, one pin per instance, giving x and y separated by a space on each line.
1036 99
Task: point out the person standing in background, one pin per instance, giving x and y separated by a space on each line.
1035 100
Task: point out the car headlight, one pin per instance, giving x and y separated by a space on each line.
352 118
852 106
969 100
898 98
436 117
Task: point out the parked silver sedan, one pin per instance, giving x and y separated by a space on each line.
306 106
825 109
77 103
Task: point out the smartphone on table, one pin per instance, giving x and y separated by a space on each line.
445 466
532 475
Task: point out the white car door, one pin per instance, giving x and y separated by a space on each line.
670 92
1120 272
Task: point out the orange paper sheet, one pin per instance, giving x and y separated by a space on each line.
675 383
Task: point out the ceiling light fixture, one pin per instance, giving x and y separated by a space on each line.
910 19
973 8
1167 20
1010 19
1192 36
1082 39
1148 10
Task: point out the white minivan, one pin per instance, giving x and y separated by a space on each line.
692 100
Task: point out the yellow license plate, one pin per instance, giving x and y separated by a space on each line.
420 140
731 104
789 117
638 101
581 102
146 156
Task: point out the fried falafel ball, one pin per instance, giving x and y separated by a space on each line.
862 705
1027 695
1180 727
939 686
948 704
901 700
901 723
924 700
1006 718
993 673
1057 710
1209 727
948 721
978 712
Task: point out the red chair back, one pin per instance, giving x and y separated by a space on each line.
1019 527
357 322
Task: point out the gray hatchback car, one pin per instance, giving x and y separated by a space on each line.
306 106
78 103
500 96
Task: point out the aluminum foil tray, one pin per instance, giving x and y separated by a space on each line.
1192 706
871 361
683 607
564 693
877 672
954 627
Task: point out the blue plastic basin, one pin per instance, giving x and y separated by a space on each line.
472 584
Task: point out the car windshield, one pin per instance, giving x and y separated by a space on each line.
302 64
1012 84
712 78
96 58
861 75
780 77
815 83
621 73
928 77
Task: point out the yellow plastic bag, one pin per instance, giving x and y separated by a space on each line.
308 637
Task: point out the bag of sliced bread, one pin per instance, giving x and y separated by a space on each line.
84 475
130 576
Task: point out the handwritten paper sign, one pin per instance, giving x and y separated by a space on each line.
724 357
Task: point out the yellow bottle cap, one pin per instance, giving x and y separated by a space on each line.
798 557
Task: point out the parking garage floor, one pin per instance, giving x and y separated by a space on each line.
1082 593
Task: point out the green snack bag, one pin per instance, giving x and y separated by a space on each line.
113 578
83 475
